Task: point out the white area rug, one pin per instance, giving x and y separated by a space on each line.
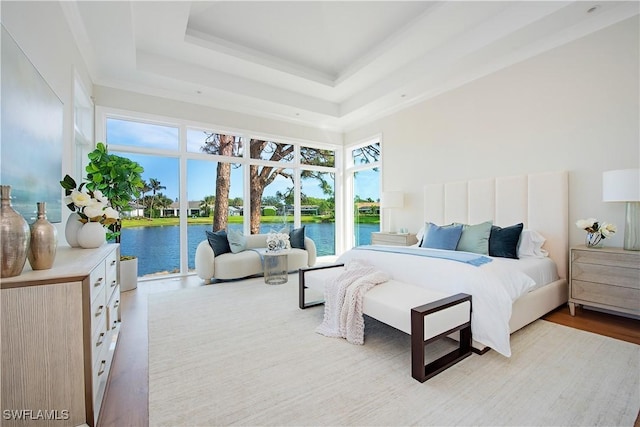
243 353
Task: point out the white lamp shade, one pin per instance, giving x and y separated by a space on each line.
621 185
391 199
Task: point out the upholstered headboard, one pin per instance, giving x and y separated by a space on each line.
540 201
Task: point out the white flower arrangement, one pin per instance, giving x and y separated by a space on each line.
596 231
92 206
278 241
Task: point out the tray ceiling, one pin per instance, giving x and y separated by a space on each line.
333 65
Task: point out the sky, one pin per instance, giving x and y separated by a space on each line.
201 174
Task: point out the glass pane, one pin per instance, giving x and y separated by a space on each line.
139 134
271 198
215 200
318 210
366 190
367 154
269 150
317 157
202 141
150 231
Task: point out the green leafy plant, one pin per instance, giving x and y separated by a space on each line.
118 178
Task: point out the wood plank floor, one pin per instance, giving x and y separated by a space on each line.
127 396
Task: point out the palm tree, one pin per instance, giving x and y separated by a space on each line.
145 189
207 203
155 186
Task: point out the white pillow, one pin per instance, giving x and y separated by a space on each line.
420 234
530 245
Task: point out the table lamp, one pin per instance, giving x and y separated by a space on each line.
624 186
391 200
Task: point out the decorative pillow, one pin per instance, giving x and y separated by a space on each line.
475 238
531 245
237 241
296 238
503 242
218 242
441 237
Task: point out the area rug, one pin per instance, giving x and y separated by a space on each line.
243 353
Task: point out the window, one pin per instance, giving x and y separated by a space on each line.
363 176
202 178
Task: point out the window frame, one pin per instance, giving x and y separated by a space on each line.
102 113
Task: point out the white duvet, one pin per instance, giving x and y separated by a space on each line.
493 286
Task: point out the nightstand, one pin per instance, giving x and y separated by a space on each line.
606 278
393 239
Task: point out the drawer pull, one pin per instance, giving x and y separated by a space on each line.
103 366
116 303
98 283
99 310
114 283
100 339
113 262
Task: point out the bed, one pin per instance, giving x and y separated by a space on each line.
540 202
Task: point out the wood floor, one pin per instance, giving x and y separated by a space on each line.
127 396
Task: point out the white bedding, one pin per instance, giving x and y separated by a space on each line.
494 286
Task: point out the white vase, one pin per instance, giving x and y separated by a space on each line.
71 230
92 235
128 274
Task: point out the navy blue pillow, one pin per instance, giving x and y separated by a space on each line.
503 242
296 238
219 242
445 237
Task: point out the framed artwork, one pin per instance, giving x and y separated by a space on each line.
30 135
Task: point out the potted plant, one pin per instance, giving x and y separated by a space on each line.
120 180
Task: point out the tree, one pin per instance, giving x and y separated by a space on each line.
224 145
207 204
262 176
155 186
145 189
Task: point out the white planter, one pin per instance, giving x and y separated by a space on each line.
71 230
128 274
92 235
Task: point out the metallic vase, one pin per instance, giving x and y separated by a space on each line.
14 237
44 241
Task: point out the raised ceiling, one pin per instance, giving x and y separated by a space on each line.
333 65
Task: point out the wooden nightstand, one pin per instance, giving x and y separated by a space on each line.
605 278
393 239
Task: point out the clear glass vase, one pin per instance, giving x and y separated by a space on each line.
594 240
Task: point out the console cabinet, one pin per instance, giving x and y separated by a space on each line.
59 333
606 278
393 239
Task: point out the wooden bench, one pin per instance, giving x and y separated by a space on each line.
425 315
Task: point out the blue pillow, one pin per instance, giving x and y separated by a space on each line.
475 238
296 238
503 242
237 241
445 237
218 242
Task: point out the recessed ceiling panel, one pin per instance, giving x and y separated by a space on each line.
324 36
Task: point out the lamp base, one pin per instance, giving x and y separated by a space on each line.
632 227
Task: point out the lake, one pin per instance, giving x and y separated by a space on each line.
158 248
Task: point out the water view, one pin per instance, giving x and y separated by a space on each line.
158 248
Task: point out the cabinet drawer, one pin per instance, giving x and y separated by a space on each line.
617 259
98 310
99 339
97 280
113 310
613 296
613 276
111 268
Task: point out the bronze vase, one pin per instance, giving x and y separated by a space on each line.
14 236
44 241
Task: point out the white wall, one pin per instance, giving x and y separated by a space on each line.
574 108
42 32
